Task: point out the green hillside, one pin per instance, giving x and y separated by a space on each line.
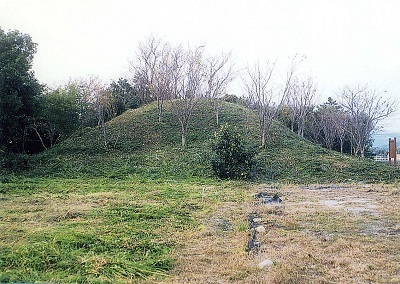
126 213
137 144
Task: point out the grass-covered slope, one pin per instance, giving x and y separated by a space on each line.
133 212
137 144
289 158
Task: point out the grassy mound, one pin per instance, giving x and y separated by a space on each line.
135 143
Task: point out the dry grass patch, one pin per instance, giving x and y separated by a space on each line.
336 234
319 234
22 217
215 253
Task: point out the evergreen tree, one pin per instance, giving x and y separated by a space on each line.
232 160
18 89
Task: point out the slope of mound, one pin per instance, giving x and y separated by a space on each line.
136 143
290 158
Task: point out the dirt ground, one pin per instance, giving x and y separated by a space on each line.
346 233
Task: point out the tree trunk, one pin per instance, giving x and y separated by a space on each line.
160 109
104 135
40 137
183 136
183 140
341 146
217 111
362 152
299 131
263 137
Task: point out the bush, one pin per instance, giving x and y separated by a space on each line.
14 162
232 160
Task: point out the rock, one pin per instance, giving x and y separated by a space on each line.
257 220
265 264
253 244
266 198
260 229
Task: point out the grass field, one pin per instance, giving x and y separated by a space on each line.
130 231
97 230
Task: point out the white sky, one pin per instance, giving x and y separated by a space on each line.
346 41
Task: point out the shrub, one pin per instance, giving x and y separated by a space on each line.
231 159
14 162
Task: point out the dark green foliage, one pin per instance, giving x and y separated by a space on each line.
61 108
18 89
14 161
127 96
232 160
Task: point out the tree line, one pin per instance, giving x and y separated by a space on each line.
34 117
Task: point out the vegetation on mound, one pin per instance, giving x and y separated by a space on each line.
288 158
138 144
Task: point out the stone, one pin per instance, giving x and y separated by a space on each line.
265 264
260 229
253 244
267 198
257 220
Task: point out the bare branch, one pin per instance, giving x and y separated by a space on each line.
366 108
188 85
219 75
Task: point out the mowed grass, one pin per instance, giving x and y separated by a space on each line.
195 231
97 230
346 233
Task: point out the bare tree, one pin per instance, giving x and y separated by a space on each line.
264 97
301 100
91 90
305 103
290 109
219 75
313 128
102 102
341 124
290 77
188 85
261 96
326 123
366 108
150 70
84 109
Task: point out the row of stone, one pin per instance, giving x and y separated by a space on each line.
257 227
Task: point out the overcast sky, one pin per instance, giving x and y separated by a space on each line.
345 42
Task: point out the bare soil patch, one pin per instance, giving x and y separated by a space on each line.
318 234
